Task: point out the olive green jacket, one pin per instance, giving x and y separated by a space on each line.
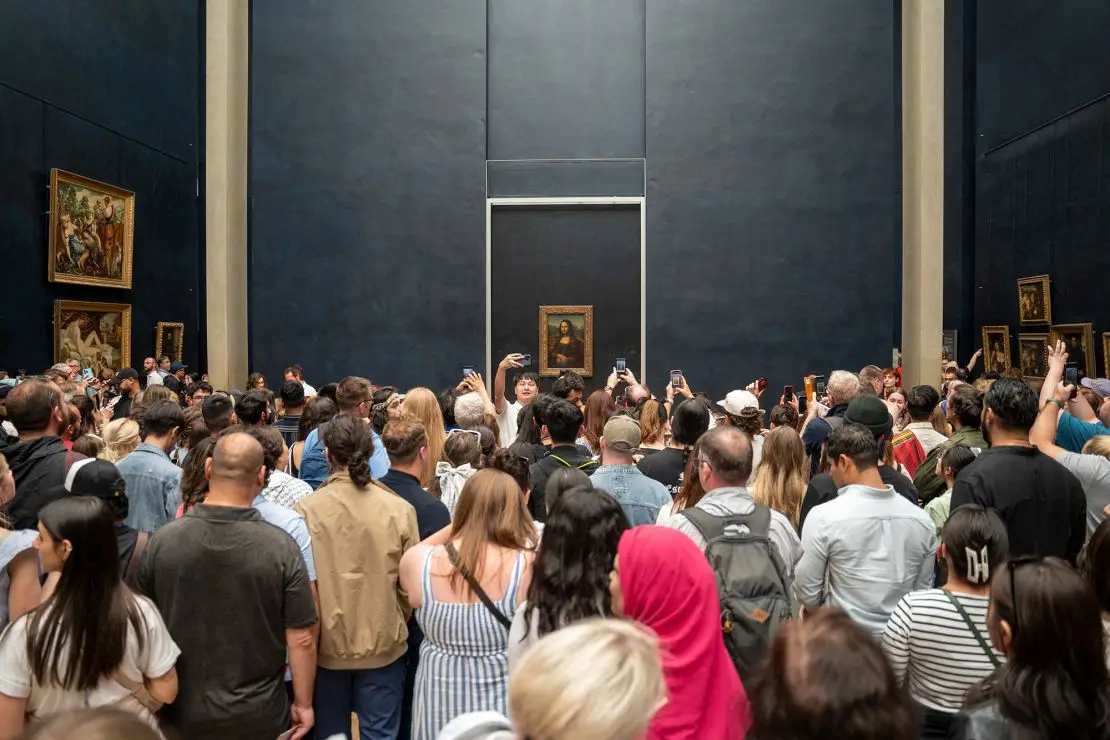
929 485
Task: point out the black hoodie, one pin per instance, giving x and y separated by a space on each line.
39 467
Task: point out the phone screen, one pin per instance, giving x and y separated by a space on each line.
621 365
788 393
1071 377
819 386
676 378
467 371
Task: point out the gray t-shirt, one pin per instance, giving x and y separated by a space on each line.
1093 471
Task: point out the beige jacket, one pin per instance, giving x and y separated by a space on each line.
358 538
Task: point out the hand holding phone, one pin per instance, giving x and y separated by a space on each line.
620 365
787 394
525 360
87 373
676 378
467 371
1071 377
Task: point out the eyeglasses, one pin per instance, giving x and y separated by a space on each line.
1013 565
475 432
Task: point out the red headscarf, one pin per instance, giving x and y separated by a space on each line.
669 588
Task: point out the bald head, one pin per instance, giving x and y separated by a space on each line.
727 452
237 466
634 394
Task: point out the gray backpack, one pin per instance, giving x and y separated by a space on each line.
751 582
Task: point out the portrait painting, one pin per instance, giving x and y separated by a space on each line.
1033 355
1080 343
996 348
97 335
1034 302
566 340
949 346
169 337
92 228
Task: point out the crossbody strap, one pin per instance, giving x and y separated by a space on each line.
131 572
453 556
974 630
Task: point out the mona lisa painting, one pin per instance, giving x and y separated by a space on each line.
566 340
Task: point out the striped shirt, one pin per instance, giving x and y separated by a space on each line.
931 646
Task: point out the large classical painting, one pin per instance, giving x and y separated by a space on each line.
1033 355
566 340
1034 302
996 348
98 335
169 337
92 228
1080 342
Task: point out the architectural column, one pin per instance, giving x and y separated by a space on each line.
226 92
922 189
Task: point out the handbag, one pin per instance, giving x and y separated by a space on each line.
453 556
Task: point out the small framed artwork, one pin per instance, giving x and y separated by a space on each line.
566 340
949 345
1033 355
1034 302
98 335
1080 343
169 337
996 348
1106 354
92 229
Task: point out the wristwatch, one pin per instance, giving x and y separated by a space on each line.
1055 401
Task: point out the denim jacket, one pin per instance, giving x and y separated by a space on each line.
153 488
314 466
639 496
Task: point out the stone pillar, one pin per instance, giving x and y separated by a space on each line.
225 130
922 189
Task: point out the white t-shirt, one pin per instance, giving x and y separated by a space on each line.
158 656
154 378
308 390
506 420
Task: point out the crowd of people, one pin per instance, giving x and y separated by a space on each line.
498 562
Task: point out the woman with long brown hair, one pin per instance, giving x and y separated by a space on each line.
424 405
653 427
599 407
466 583
780 483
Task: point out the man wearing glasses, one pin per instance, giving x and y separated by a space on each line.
353 397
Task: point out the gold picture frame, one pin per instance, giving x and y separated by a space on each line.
92 231
1106 354
1033 356
1034 300
572 349
98 335
169 338
1080 342
996 341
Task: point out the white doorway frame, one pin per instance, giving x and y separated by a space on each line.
639 202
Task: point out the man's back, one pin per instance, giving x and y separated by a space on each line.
561 456
1041 503
39 468
228 585
153 487
822 489
640 497
314 465
431 513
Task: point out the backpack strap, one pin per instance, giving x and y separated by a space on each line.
834 422
564 462
131 572
758 521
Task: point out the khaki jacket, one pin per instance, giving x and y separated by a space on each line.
358 538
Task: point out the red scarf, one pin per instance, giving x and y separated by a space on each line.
669 588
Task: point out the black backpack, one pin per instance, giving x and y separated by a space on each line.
752 583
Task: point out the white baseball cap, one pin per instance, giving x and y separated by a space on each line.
737 401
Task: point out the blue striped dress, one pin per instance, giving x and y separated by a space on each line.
464 662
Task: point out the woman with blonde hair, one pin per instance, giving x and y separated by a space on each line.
653 427
121 437
780 483
424 405
466 583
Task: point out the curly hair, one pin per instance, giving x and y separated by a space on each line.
349 446
570 577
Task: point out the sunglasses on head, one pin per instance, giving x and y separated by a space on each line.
1013 565
475 432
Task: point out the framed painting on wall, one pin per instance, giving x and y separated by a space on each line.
566 340
996 348
1034 302
92 228
1079 340
169 337
1106 354
98 335
1033 355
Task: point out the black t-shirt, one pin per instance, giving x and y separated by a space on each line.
665 466
228 585
1040 501
822 490
122 409
431 513
560 456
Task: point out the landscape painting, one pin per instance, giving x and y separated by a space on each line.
91 231
97 335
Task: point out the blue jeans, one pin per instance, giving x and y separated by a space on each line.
373 694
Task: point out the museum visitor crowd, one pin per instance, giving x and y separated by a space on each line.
495 562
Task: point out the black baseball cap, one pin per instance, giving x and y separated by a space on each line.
124 374
870 412
97 478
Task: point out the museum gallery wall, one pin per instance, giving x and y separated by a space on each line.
84 276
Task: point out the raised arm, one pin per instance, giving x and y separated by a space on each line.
1057 358
511 360
1043 433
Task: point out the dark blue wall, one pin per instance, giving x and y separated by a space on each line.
771 132
1041 173
111 90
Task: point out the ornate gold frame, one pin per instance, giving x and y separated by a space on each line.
1054 333
587 340
1043 339
1106 353
159 340
1043 281
1005 332
124 309
128 197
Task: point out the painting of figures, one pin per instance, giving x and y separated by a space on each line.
98 335
91 231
